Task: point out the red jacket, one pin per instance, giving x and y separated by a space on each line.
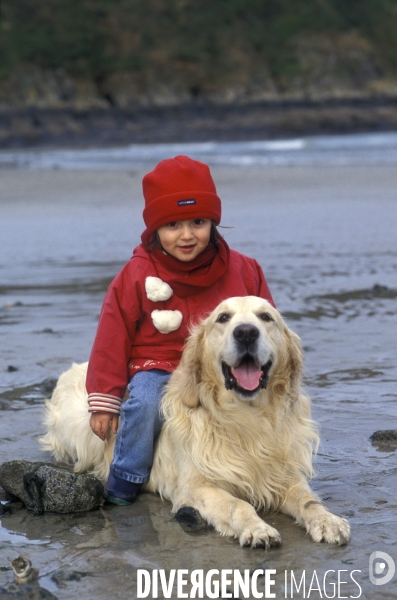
133 337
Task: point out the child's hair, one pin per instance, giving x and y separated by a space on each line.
155 243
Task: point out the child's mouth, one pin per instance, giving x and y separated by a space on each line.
186 248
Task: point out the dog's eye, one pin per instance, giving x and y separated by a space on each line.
265 317
223 318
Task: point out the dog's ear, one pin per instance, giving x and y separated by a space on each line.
295 360
186 378
288 375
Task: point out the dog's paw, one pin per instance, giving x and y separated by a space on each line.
329 528
190 520
260 535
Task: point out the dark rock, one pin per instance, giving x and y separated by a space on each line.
48 386
4 508
189 121
44 487
61 577
382 291
25 592
384 435
11 369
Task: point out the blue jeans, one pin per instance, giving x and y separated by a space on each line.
141 422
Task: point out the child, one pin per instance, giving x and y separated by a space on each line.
179 273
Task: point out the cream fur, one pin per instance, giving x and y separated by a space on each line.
220 452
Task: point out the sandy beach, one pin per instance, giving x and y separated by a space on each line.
326 239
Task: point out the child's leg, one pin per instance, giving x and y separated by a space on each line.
140 423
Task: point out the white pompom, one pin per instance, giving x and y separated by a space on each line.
167 320
157 290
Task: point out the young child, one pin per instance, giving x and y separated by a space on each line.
179 273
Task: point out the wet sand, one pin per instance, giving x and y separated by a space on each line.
326 239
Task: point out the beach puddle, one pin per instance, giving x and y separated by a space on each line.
13 538
346 375
18 398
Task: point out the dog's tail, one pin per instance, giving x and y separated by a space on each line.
68 436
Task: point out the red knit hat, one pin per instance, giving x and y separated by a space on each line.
177 189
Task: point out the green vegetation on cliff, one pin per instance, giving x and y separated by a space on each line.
132 48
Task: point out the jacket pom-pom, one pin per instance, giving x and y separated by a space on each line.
167 320
157 290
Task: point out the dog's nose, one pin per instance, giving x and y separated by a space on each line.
246 334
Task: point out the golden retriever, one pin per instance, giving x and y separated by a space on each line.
237 436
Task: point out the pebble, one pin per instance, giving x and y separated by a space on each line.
23 571
25 592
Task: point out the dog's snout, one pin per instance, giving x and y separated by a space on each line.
246 334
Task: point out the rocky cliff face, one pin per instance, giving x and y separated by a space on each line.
327 67
115 71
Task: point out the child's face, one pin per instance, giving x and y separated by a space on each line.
185 240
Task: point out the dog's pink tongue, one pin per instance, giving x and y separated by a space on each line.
247 375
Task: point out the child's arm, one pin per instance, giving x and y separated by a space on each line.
103 423
107 373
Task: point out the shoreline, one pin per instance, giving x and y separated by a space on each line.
33 127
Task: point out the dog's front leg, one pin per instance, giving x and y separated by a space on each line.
231 516
321 525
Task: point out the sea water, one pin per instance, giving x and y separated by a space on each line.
371 148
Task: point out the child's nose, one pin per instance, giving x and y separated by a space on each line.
186 232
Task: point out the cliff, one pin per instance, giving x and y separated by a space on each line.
67 65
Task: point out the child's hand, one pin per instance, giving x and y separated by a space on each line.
103 423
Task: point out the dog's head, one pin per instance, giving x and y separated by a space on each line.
244 346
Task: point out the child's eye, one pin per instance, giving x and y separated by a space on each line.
172 224
198 221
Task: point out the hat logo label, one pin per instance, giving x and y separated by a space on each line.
187 202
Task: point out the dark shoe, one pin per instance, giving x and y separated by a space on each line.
120 491
119 501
